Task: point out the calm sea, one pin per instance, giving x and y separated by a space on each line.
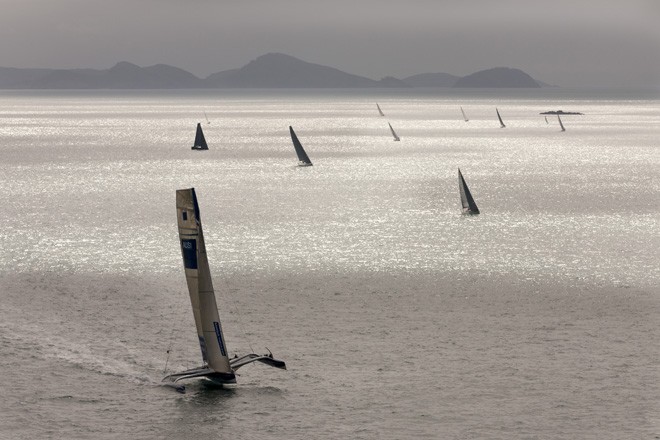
397 316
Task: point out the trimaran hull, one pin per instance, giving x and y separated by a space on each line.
217 366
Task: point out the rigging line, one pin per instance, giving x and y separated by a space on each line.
169 348
235 309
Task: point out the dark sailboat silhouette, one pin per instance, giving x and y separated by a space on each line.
464 117
396 138
560 124
200 141
500 118
303 159
469 207
379 110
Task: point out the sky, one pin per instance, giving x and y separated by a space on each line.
600 43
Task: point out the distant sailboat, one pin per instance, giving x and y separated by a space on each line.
207 118
500 118
217 366
379 110
464 117
469 207
546 119
396 138
303 159
200 141
560 124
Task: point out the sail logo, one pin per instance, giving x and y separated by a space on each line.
218 334
189 251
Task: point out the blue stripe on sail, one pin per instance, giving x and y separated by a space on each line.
189 251
202 346
218 334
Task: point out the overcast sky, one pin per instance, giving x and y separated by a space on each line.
563 42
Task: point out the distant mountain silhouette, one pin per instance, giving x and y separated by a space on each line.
273 70
276 70
123 75
431 80
498 77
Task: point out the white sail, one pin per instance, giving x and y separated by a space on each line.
396 138
200 286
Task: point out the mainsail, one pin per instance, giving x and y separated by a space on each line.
200 142
396 138
469 207
464 117
303 159
200 286
500 118
560 124
379 110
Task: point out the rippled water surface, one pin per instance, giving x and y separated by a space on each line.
398 317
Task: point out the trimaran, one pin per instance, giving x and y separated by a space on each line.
217 366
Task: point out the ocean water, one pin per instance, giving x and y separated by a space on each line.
397 316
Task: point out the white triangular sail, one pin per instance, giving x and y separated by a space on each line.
200 286
396 138
464 117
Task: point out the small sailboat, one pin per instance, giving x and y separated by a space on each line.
379 110
303 159
207 118
200 141
500 118
560 124
546 119
469 207
464 117
396 138
217 366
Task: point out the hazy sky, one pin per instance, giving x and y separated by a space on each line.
564 42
